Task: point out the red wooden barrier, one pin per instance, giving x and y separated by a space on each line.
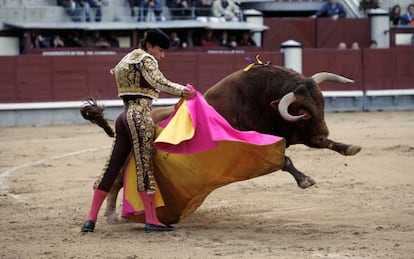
281 30
8 80
404 68
316 33
329 32
347 63
379 72
35 78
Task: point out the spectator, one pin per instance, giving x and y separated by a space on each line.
58 42
188 39
331 9
365 5
153 5
113 41
96 4
75 8
342 45
247 40
40 41
355 45
175 41
227 41
209 39
181 9
224 39
395 15
408 17
132 4
96 40
74 40
225 9
373 44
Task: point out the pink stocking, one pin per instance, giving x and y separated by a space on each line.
97 200
150 209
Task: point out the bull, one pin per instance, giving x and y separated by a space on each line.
267 99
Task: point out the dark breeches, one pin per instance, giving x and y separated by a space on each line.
134 130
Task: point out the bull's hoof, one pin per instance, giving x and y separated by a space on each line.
112 218
306 182
352 150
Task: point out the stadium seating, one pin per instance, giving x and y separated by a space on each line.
119 11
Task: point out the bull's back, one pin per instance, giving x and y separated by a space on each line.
223 96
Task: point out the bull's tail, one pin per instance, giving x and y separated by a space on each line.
94 113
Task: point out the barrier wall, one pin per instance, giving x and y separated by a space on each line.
35 78
316 33
330 33
39 90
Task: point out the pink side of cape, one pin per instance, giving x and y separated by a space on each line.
210 128
127 208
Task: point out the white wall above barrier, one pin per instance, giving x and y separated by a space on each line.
9 46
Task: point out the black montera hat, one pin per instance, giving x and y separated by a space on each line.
158 38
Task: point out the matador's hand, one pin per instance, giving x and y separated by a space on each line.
188 93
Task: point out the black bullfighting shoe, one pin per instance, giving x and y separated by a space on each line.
89 226
157 228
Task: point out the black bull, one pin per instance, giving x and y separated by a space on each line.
267 99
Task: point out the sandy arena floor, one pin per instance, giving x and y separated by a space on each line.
361 207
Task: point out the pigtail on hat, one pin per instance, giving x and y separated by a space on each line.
158 38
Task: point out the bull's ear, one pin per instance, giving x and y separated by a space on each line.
274 104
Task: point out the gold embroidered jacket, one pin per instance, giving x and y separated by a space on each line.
138 74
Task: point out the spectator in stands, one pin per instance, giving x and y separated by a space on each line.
175 41
224 39
74 40
150 5
408 17
132 4
395 15
203 8
331 9
365 5
342 45
113 41
226 10
40 41
181 9
76 8
227 40
73 8
355 46
188 39
58 42
373 44
209 39
96 40
247 40
97 5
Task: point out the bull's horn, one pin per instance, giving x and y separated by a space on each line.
325 76
283 106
